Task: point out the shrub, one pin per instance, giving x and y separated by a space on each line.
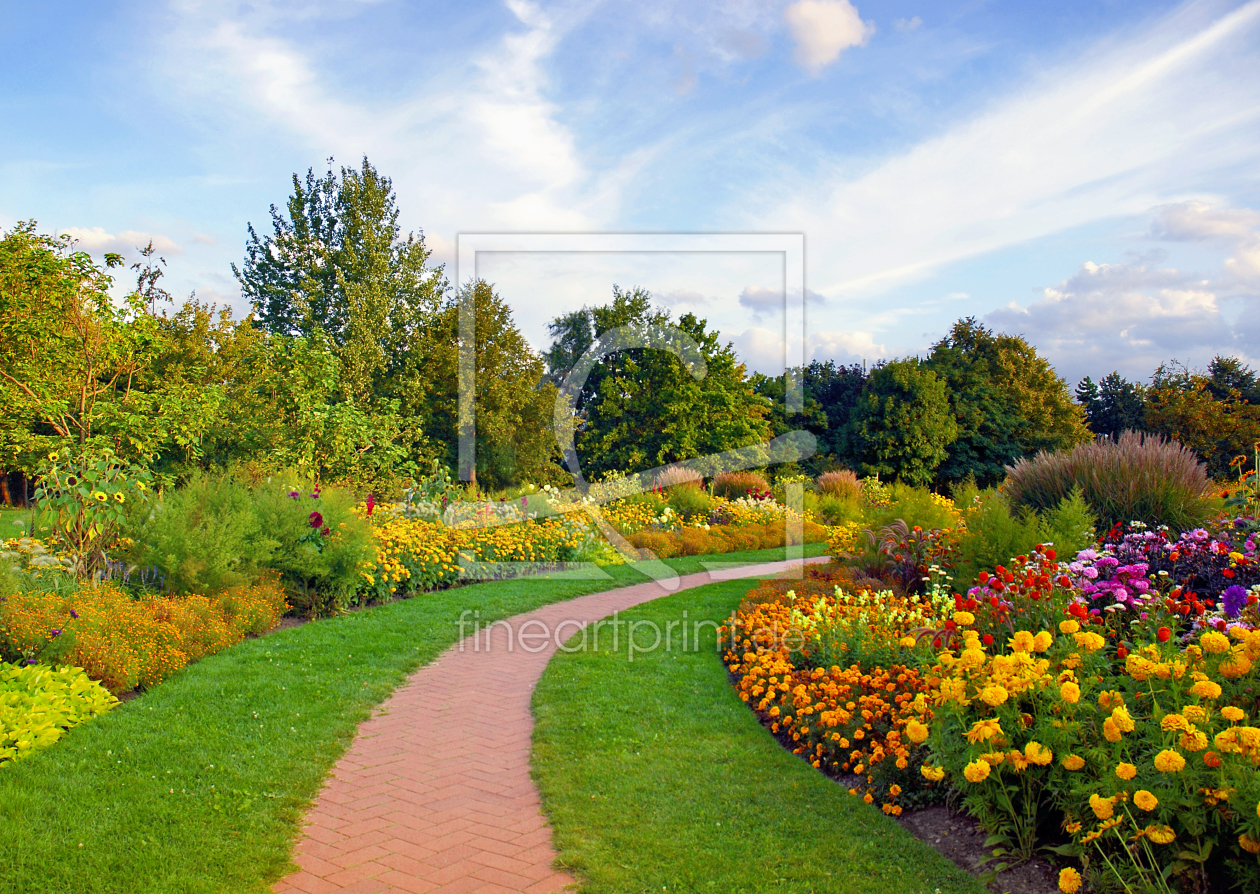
690 503
39 703
915 506
124 642
838 510
676 476
204 536
840 483
1139 477
734 485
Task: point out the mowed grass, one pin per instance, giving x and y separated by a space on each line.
657 778
199 785
18 523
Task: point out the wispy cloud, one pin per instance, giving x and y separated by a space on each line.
96 241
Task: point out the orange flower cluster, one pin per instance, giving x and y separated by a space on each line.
690 541
856 720
126 642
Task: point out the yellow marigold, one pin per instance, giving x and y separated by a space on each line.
1042 641
1070 693
1214 643
1069 626
1160 834
1237 665
1144 799
1111 732
964 619
977 771
994 695
1193 740
1232 714
1169 761
1073 762
932 774
907 642
1249 844
1069 880
1126 771
1173 722
954 691
1102 807
916 732
1038 754
984 730
1195 713
1089 641
1206 689
1018 762
1022 641
1124 722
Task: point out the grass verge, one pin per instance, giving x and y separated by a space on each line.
199 785
656 777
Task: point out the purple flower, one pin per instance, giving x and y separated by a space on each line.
316 520
1233 600
56 631
73 613
30 661
294 494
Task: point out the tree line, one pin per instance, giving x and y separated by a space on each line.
346 368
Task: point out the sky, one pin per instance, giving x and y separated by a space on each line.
1084 174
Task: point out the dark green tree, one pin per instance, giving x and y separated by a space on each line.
1112 406
1007 400
903 424
1227 375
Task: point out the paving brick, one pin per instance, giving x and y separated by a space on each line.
435 794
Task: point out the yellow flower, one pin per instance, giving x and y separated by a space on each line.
52 457
99 497
1206 689
907 642
1070 693
1214 643
1069 880
118 497
964 619
994 695
1089 641
1126 771
977 771
932 774
1160 834
1021 642
1042 641
916 732
1249 844
1124 722
1193 740
1232 714
1173 722
984 730
1102 807
1195 713
1169 761
1144 799
1111 732
1038 754
1069 626
1073 762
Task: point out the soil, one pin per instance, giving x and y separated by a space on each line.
961 839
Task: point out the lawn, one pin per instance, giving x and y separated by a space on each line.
17 523
199 785
656 777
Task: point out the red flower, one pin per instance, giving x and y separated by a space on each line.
1164 634
1228 572
371 504
987 639
1211 758
316 520
1122 652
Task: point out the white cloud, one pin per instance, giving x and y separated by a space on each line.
1132 124
762 350
680 298
764 301
823 29
908 24
1198 221
95 240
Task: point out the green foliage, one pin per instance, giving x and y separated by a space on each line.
641 407
88 497
837 510
1215 423
689 502
321 547
204 536
39 703
1113 405
913 505
903 424
1007 400
1135 478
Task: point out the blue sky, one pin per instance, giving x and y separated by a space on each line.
1083 173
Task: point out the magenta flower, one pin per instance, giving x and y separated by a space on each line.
316 520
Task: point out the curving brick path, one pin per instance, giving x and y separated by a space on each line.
435 793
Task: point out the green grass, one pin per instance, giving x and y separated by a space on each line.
656 778
9 527
199 785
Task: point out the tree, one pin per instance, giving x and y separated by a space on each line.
1112 406
338 263
642 407
903 425
1007 400
1227 375
1185 408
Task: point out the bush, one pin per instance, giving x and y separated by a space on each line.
125 642
690 503
734 485
204 536
39 703
840 483
322 548
1137 478
838 510
915 506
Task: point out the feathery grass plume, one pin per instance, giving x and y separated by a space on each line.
678 477
1139 477
840 483
734 485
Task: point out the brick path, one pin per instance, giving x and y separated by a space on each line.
434 794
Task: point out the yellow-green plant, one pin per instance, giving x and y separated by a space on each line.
39 703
